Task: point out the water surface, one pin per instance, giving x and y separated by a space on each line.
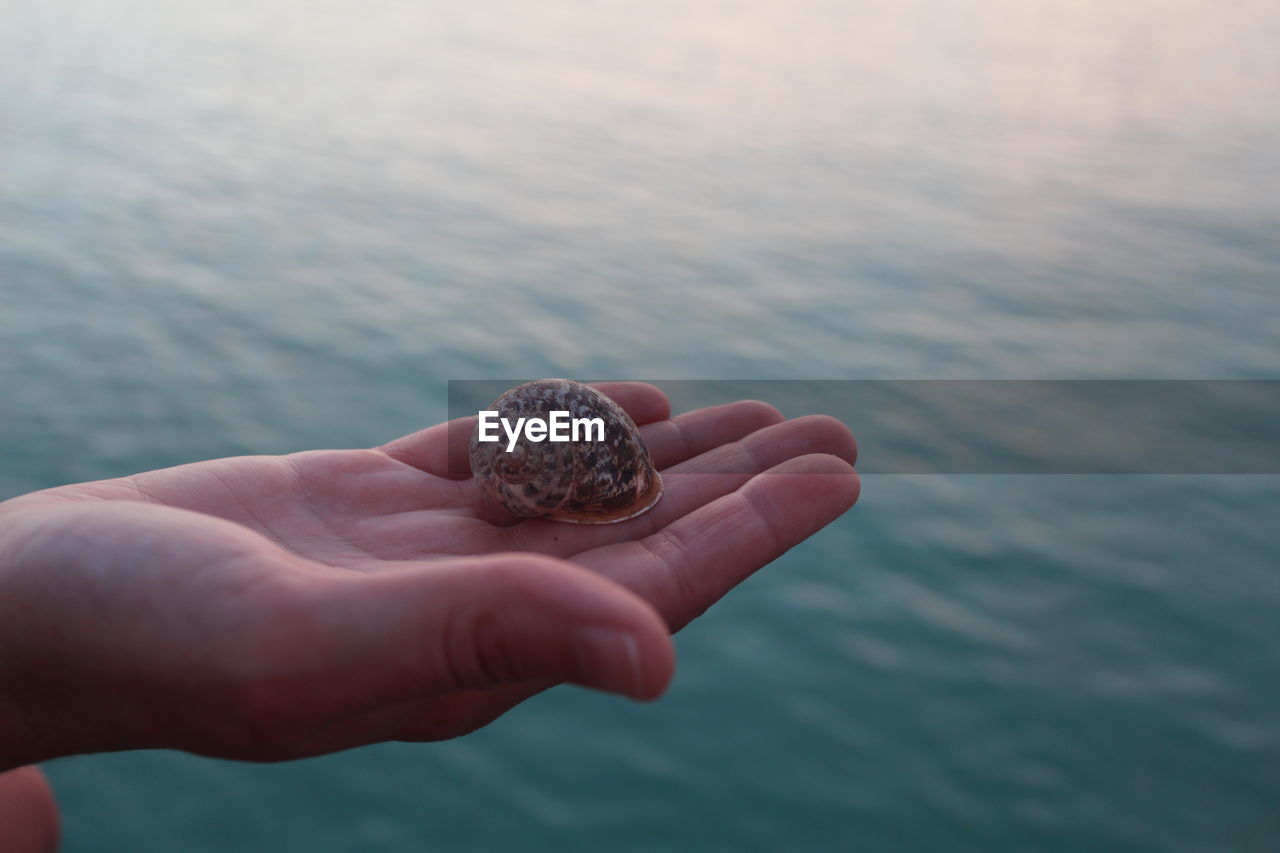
259 227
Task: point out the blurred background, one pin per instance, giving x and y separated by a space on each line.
260 227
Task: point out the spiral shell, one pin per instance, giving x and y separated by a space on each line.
584 482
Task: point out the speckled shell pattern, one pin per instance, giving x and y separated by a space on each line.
583 482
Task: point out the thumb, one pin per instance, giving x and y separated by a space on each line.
483 621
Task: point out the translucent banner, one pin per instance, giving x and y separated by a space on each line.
1001 426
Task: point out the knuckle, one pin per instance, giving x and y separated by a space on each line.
476 651
477 642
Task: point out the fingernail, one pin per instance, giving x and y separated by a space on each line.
609 659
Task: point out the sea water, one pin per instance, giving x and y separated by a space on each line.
258 227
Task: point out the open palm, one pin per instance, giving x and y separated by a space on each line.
270 607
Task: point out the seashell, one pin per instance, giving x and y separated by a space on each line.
584 482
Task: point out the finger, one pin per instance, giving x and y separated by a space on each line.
28 812
685 436
693 483
689 565
644 403
360 642
443 449
489 621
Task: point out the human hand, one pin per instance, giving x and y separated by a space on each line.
274 607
